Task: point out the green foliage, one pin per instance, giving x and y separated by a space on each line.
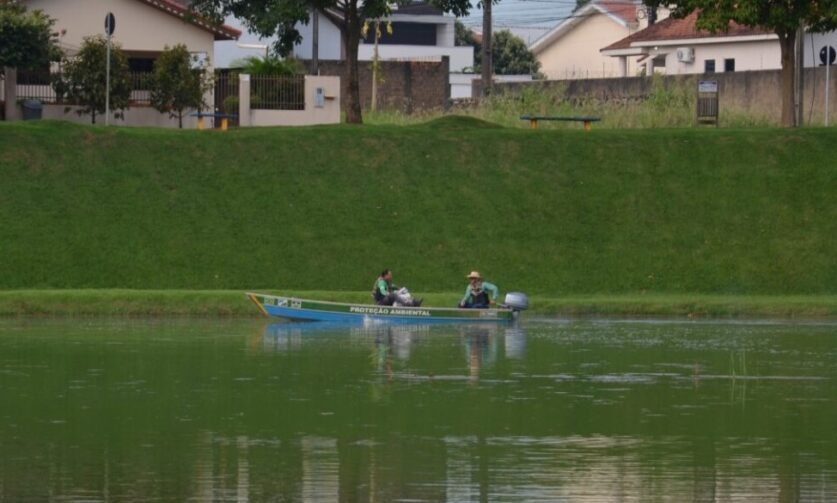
269 66
780 16
26 38
553 213
280 19
84 78
511 56
176 86
464 37
668 104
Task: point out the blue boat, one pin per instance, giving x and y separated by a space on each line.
296 309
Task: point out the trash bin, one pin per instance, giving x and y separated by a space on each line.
32 110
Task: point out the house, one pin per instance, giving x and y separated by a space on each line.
677 46
571 49
420 32
144 28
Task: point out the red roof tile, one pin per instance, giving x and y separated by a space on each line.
623 10
180 9
677 29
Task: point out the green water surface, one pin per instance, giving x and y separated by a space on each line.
202 410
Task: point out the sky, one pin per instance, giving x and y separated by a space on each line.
528 19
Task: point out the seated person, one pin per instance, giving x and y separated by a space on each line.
477 293
385 293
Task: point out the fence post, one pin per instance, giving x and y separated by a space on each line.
10 85
244 100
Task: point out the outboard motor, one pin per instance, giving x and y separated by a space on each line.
517 301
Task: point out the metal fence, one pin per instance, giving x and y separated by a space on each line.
47 87
226 95
277 93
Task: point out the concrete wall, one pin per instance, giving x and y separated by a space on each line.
757 93
576 54
408 85
328 113
143 116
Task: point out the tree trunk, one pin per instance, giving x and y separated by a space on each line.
486 63
351 38
787 44
180 119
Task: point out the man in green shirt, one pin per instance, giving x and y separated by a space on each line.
477 293
386 293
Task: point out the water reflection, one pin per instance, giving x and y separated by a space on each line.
585 412
509 468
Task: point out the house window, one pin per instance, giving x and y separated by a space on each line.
404 33
709 66
141 65
729 65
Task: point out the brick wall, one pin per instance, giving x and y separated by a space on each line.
408 86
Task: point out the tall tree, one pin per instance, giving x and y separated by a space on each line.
463 36
176 85
280 18
782 17
26 37
84 78
511 56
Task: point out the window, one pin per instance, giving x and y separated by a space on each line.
709 66
729 65
141 65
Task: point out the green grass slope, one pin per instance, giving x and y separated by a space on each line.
548 212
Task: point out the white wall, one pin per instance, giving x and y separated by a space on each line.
575 55
329 113
139 27
817 41
330 41
763 55
461 57
134 116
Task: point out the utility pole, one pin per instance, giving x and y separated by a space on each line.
110 26
799 77
315 49
487 66
375 69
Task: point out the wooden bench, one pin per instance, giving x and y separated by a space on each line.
533 120
225 118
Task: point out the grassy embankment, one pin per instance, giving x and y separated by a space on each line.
660 222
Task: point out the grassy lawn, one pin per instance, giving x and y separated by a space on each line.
666 221
100 302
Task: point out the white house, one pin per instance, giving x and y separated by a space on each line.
420 32
676 46
571 49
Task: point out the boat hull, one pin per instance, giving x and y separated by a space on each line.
291 308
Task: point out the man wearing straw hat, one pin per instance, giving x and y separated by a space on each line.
477 293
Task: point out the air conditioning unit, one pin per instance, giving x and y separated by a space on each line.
686 54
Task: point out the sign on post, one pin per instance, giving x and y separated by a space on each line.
707 102
827 57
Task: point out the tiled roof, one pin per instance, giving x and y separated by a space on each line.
179 8
680 29
623 10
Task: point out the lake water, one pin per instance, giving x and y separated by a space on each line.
175 410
